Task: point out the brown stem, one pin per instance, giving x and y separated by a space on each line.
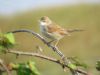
46 58
5 67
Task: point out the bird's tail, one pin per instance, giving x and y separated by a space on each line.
74 30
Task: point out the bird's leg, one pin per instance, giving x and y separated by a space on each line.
56 43
50 42
53 41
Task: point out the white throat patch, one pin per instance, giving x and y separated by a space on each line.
43 23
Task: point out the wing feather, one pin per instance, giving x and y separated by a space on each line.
57 29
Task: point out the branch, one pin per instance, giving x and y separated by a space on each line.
65 63
41 38
5 68
55 49
33 54
46 58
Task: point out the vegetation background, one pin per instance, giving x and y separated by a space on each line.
84 45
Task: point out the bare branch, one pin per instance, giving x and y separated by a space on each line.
4 66
46 58
33 54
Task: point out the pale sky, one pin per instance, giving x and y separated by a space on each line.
11 6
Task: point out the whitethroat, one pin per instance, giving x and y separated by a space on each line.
52 31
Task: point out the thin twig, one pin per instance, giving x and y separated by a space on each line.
43 57
46 58
4 66
34 54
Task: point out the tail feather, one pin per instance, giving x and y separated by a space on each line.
74 30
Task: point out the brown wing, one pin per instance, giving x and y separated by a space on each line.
55 28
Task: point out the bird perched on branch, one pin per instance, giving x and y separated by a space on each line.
53 31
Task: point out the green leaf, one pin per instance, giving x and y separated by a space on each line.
33 68
98 65
20 68
14 65
25 68
72 66
6 41
10 38
1 43
78 62
2 49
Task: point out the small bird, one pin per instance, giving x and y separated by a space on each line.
51 30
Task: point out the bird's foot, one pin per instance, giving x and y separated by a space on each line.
50 42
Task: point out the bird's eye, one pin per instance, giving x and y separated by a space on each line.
42 18
44 21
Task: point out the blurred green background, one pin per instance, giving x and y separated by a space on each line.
85 45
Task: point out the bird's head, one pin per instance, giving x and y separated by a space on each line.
45 20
